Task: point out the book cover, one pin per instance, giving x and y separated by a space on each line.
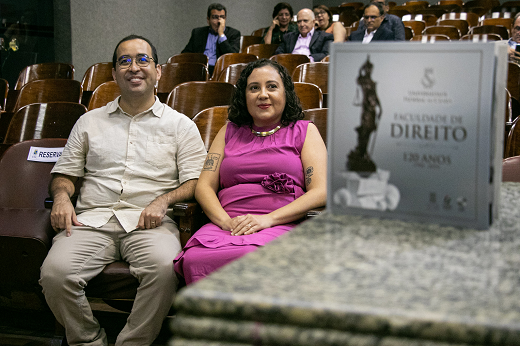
415 130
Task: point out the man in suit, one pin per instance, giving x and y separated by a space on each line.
307 41
391 22
215 39
374 14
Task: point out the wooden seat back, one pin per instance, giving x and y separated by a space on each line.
191 97
189 57
209 121
103 94
246 41
262 50
48 70
44 120
290 61
232 73
49 90
449 30
230 58
491 29
481 37
310 95
313 72
319 117
460 24
429 38
174 74
96 75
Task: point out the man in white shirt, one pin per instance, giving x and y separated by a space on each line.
307 41
136 156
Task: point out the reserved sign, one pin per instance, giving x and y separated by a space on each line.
40 154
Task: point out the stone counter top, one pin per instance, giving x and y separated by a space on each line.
338 280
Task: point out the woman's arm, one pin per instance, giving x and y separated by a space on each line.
269 34
208 184
314 161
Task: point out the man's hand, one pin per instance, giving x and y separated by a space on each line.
221 26
63 215
152 215
513 54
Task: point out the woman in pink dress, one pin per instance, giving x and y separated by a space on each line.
265 169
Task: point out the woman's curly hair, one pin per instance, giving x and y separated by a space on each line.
238 112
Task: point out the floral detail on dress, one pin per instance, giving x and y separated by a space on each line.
279 183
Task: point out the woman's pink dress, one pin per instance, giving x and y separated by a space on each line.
257 175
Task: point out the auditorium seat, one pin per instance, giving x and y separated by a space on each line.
174 74
460 24
513 79
48 70
319 117
186 97
96 75
189 57
44 120
246 41
290 61
511 169
471 18
451 31
429 38
209 121
262 51
310 95
103 94
230 58
49 90
491 29
481 37
232 73
417 26
313 72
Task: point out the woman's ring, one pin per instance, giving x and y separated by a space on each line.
248 225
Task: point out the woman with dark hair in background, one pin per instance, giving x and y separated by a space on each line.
323 18
282 24
265 169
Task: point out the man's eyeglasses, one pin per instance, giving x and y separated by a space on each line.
320 13
142 60
216 17
370 17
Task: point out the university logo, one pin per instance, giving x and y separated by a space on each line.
427 80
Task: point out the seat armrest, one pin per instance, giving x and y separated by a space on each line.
315 212
190 218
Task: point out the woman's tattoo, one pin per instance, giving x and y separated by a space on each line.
211 162
308 175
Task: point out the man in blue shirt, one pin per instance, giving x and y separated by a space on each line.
215 39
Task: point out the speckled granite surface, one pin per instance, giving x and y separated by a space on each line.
338 280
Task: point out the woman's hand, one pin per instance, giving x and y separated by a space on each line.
274 23
249 224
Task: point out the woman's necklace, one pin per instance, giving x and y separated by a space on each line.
265 133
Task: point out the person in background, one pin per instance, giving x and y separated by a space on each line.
265 169
391 22
307 41
373 16
323 18
282 24
215 39
515 39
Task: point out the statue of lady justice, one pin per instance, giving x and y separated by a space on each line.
359 160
